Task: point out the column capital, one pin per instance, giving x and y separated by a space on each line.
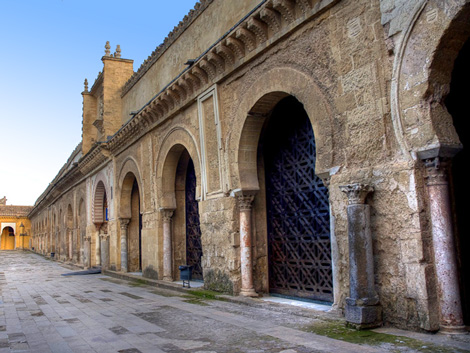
436 170
245 202
167 213
356 193
104 236
124 222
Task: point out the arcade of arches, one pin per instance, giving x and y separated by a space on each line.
312 149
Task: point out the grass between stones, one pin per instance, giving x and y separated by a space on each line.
199 296
339 331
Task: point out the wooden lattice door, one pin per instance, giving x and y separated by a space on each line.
193 229
297 202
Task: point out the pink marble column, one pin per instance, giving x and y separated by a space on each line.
167 251
124 224
443 245
246 256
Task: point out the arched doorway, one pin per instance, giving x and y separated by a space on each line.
8 239
69 232
135 231
180 181
99 246
297 206
456 103
130 210
81 228
193 229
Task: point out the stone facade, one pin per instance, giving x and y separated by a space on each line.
15 226
372 78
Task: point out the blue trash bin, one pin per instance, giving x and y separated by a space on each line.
186 273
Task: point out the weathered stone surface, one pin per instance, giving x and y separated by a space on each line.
372 78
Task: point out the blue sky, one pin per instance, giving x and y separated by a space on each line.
47 49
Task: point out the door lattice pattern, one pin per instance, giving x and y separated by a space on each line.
193 230
297 209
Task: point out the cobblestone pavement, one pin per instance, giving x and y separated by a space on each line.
43 311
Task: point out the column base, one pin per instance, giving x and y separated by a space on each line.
168 279
249 293
453 330
363 317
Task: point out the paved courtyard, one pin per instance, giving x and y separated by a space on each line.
43 311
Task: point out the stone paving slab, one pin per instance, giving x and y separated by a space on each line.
42 311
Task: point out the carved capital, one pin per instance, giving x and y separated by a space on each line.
436 170
104 236
124 222
167 213
356 193
245 202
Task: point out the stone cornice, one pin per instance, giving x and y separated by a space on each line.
266 24
94 158
168 41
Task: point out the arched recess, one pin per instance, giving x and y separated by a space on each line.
69 233
173 145
7 238
128 173
421 78
179 163
59 237
81 229
256 103
130 208
100 201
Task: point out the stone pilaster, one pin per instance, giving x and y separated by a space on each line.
451 319
245 202
124 222
167 214
362 306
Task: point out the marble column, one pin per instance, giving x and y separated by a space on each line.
445 259
245 201
104 246
124 224
98 245
362 306
167 214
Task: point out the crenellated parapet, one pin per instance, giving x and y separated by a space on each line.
269 22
